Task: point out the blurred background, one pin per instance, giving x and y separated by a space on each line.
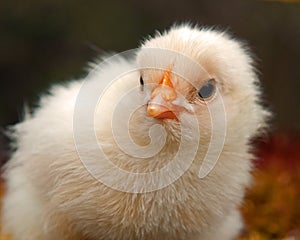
51 41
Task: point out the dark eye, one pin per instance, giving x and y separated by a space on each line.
207 90
141 81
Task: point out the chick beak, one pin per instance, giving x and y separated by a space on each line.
160 106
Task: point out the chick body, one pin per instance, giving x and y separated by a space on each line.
51 194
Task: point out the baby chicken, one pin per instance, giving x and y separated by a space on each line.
154 145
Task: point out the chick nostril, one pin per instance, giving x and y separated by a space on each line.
169 94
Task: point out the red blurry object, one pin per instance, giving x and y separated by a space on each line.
282 149
272 205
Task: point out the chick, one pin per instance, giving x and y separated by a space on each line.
173 129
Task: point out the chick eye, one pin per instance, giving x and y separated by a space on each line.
141 81
207 90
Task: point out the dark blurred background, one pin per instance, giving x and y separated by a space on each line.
49 41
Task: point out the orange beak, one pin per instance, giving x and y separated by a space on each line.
160 105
